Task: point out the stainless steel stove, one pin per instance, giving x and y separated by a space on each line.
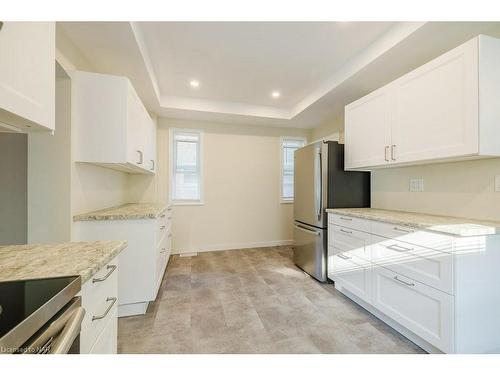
41 316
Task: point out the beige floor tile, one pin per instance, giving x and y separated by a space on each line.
252 301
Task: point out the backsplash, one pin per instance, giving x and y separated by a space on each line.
464 189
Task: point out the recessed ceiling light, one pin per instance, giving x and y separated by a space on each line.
194 83
275 94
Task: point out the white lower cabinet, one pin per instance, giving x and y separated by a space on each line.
142 263
107 341
439 290
425 311
349 273
430 267
100 301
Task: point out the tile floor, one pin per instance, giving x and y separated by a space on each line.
252 301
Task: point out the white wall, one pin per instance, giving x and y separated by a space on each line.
334 127
13 188
49 175
464 189
241 188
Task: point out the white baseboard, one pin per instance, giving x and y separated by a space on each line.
237 246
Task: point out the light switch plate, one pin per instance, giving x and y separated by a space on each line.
416 184
497 183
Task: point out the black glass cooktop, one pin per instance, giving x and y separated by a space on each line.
20 299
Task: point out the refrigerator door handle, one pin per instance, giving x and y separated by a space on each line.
300 227
319 194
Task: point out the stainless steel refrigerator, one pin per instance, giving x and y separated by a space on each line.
320 182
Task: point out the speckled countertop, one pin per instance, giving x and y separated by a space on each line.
456 226
129 211
21 262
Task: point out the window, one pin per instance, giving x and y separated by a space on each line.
288 147
185 172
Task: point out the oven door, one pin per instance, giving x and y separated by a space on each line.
61 334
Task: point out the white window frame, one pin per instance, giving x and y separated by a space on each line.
282 140
171 157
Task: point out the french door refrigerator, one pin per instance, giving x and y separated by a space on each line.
320 182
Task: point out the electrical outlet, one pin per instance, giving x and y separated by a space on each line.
497 183
416 184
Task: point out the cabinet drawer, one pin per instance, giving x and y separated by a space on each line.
107 342
350 241
425 311
413 235
349 273
99 299
349 222
430 267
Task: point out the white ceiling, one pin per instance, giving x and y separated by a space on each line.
244 62
317 67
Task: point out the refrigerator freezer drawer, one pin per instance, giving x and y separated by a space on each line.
310 250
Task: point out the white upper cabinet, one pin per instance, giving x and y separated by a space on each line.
444 110
27 75
112 127
369 128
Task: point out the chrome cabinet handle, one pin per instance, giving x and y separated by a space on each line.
402 230
398 248
393 152
162 215
109 299
345 218
386 150
98 280
141 157
345 231
403 282
342 256
153 165
162 227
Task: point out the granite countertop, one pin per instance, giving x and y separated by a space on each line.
129 211
451 225
21 262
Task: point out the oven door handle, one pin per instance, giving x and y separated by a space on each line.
60 332
69 333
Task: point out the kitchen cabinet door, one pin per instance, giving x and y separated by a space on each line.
425 311
435 108
151 143
137 131
27 75
368 130
107 342
349 273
